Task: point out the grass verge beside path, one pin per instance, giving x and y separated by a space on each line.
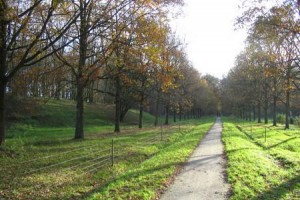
38 167
259 169
147 180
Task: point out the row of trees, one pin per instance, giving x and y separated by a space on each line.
266 75
116 51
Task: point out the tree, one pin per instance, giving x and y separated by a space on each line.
27 35
273 49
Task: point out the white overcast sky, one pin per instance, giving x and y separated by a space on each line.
208 29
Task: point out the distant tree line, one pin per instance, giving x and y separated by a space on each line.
121 52
266 76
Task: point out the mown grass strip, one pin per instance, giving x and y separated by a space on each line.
253 169
146 180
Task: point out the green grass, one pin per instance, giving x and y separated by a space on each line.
259 167
152 176
40 160
55 121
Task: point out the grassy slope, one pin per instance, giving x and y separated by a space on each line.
55 121
41 161
259 169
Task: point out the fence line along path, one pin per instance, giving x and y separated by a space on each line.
203 175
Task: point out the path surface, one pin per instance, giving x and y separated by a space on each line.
202 178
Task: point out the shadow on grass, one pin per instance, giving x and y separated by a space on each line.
282 142
144 172
241 149
128 176
131 175
251 138
281 190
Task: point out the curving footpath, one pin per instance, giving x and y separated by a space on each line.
203 177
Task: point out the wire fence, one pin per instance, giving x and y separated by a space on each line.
90 159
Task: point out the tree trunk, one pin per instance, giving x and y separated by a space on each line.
287 105
274 103
91 92
266 114
167 115
156 111
274 111
57 89
287 110
79 134
243 114
2 111
73 90
259 112
3 69
254 113
180 112
123 111
141 115
118 105
266 104
249 115
174 115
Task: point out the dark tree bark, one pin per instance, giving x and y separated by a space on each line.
266 115
287 104
266 103
57 90
141 116
180 112
118 105
2 111
254 113
79 133
167 114
156 111
141 110
274 111
275 103
242 114
3 69
174 115
287 110
259 112
123 111
249 114
91 92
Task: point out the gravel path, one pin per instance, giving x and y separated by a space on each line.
202 178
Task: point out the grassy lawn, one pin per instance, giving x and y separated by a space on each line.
41 161
263 162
